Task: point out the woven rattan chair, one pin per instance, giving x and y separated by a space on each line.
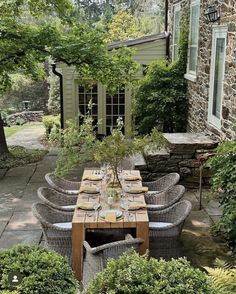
164 183
56 226
127 164
56 199
62 185
96 258
163 200
165 227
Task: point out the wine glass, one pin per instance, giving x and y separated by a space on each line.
96 205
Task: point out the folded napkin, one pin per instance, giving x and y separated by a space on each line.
93 178
138 189
136 205
132 178
85 205
110 217
88 190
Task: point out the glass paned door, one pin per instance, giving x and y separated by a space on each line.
85 96
115 107
217 75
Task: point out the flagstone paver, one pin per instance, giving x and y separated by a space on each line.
18 191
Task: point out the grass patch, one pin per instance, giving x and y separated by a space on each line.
20 156
9 131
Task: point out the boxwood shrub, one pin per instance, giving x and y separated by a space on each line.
43 271
132 273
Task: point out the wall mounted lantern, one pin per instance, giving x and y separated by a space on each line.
212 13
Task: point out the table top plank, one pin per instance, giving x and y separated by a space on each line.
93 221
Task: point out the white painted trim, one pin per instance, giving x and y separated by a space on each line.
176 8
193 3
218 32
190 77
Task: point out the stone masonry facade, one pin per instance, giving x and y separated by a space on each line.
198 91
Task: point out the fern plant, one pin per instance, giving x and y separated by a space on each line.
223 277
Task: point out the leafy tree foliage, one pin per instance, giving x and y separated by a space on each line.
26 42
123 27
54 95
24 88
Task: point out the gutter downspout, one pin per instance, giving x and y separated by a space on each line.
61 92
166 32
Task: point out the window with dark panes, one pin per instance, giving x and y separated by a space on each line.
115 107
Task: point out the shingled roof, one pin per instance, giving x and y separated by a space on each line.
133 42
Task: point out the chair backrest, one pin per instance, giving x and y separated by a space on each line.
47 215
54 198
98 256
127 164
175 214
62 185
168 181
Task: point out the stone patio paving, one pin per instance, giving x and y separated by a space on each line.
18 191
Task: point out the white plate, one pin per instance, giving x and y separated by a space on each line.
133 192
96 178
87 208
103 213
90 192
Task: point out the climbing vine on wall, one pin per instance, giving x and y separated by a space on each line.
160 99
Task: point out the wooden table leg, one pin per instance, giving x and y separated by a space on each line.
142 231
78 236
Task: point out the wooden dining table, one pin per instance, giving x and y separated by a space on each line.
89 220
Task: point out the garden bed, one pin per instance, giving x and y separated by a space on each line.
19 156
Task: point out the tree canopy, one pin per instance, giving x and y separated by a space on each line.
123 26
27 38
33 30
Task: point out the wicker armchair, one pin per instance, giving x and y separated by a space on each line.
127 164
163 200
165 229
57 200
164 183
56 226
62 185
96 258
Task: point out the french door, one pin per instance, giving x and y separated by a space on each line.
106 108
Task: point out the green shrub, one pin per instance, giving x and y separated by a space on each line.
19 156
131 273
160 99
223 180
43 271
51 122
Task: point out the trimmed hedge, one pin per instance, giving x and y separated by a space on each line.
132 274
43 271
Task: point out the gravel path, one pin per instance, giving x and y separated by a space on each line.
28 137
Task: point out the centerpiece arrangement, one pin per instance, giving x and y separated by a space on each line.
81 145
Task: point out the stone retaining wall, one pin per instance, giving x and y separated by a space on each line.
25 117
182 157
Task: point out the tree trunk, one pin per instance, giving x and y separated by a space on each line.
3 143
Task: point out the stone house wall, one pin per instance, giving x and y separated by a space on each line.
198 92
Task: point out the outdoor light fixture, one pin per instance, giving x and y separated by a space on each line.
212 13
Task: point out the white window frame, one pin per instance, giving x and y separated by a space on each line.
191 75
176 8
218 32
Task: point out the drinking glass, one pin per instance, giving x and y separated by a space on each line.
96 205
